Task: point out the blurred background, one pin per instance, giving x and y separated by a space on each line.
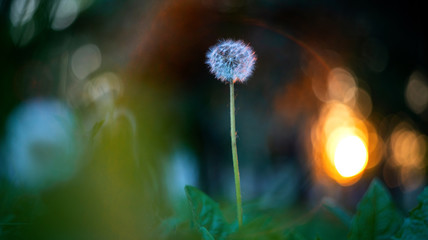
108 109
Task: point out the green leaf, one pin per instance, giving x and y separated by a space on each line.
206 214
259 228
325 223
376 217
416 225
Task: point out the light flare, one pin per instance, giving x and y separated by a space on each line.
417 93
350 157
344 144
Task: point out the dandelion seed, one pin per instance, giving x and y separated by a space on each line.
231 61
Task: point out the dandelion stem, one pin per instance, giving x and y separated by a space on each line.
235 154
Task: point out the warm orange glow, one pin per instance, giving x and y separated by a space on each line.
341 86
408 154
350 157
408 148
344 144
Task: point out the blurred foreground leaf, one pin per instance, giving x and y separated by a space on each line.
376 217
206 214
415 227
328 221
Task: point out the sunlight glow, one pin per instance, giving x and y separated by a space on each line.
350 157
344 145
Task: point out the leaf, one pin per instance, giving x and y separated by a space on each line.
206 214
259 228
324 223
376 217
416 225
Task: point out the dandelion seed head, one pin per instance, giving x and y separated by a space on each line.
231 61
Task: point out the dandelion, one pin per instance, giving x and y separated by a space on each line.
232 61
41 147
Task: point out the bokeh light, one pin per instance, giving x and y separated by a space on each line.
85 60
340 139
181 170
350 157
407 157
63 13
22 11
364 103
344 143
41 144
417 92
342 86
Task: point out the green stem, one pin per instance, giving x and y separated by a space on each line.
235 154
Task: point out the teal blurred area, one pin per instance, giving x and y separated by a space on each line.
108 110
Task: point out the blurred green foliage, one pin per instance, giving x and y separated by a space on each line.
415 226
376 218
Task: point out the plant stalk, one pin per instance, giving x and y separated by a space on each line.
235 154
